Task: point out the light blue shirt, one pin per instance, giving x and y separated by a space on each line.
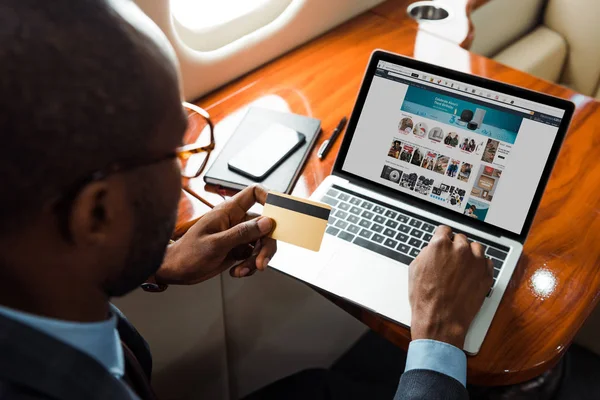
99 340
439 357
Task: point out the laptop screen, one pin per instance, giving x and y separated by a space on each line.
465 148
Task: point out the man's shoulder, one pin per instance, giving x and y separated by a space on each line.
35 365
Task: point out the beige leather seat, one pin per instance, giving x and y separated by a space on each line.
553 39
559 42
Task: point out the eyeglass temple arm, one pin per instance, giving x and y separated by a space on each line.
194 149
194 107
206 115
197 196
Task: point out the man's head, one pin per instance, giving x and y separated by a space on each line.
82 89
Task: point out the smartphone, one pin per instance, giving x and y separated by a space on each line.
265 153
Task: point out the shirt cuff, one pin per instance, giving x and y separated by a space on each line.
439 357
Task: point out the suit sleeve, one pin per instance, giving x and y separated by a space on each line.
424 384
434 371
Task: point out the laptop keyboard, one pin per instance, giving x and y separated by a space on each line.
389 231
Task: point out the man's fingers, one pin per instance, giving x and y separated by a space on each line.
460 240
250 196
477 250
490 267
251 215
237 206
246 232
259 260
267 252
242 252
443 231
246 268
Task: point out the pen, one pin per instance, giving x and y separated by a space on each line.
326 146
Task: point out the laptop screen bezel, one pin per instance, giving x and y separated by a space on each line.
496 86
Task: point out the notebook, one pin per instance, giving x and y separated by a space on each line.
256 120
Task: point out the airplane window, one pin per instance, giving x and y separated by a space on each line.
207 25
198 14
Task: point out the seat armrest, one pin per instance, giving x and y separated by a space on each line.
541 53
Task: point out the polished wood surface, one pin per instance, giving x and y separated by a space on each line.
457 29
557 282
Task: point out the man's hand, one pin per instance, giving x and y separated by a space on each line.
225 235
448 283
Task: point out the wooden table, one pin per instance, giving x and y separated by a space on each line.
557 282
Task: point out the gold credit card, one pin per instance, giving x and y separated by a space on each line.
297 221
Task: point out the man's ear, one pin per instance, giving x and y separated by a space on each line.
94 213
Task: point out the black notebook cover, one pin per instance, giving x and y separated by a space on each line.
255 122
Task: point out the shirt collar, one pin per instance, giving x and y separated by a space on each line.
99 340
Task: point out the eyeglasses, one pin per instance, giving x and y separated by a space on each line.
199 141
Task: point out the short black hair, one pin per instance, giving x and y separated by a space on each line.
78 91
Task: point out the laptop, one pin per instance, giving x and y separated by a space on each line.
425 146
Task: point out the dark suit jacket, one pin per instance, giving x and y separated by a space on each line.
34 365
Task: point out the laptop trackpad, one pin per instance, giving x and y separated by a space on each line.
369 279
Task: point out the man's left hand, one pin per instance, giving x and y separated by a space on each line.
221 238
